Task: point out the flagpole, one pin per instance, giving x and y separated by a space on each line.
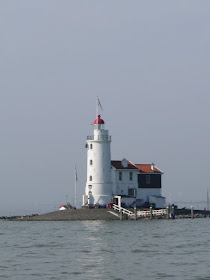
75 199
75 189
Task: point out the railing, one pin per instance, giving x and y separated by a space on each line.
124 211
113 213
159 212
99 137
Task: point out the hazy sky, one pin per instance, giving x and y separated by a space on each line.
149 63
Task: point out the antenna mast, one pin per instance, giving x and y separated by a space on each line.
97 108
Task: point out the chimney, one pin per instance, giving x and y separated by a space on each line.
153 167
124 163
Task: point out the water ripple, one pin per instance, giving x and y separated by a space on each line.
117 250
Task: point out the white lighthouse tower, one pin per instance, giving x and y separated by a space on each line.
98 187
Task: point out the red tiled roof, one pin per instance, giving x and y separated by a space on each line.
146 168
118 165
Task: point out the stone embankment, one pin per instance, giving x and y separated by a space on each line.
100 214
75 215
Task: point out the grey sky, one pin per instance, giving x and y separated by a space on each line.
148 61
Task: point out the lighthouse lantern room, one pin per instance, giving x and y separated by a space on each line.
98 186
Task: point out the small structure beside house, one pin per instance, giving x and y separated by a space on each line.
66 206
63 207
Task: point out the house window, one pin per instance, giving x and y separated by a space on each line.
91 162
120 176
131 192
91 146
131 176
91 178
148 179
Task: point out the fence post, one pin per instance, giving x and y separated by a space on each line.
167 212
121 215
170 208
192 214
150 212
135 212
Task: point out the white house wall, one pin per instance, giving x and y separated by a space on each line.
144 193
120 187
159 201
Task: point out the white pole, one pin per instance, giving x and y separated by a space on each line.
75 194
75 190
75 203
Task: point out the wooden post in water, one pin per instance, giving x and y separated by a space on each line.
170 210
135 212
150 212
121 215
167 212
192 214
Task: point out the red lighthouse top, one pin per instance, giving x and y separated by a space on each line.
99 120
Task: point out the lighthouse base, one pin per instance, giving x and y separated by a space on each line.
100 200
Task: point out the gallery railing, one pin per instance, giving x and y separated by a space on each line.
99 137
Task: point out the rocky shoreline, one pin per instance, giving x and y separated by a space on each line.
68 215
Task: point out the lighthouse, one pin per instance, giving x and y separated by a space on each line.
98 190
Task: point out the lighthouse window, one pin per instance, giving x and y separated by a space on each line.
91 162
91 178
120 176
131 176
91 146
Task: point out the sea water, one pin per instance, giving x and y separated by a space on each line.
143 249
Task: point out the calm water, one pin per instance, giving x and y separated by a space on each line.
105 250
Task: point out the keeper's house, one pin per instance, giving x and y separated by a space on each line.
136 183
